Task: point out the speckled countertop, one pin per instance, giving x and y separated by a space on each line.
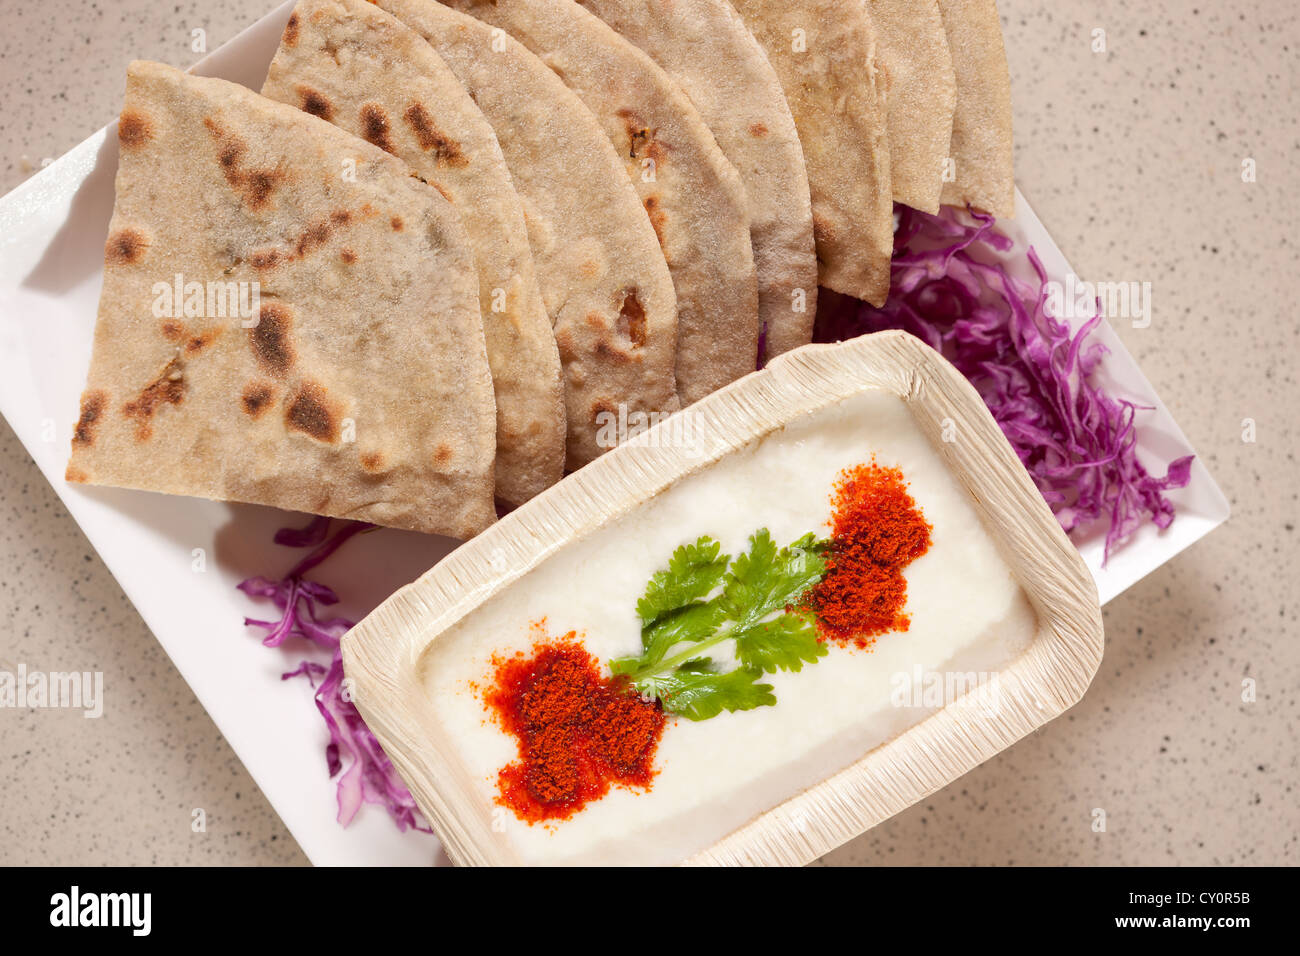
1132 157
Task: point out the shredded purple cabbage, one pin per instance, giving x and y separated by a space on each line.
369 776
952 287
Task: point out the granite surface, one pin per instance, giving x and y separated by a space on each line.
1132 157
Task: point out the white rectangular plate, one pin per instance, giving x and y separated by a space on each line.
52 232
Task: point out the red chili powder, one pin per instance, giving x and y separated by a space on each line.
876 531
579 732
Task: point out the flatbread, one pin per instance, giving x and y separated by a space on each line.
981 124
603 276
693 195
707 50
358 384
394 90
824 51
913 52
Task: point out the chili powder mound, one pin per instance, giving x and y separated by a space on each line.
579 732
877 530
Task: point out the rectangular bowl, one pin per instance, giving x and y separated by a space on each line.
381 655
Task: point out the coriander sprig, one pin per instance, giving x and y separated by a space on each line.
682 617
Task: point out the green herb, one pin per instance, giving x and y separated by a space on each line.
682 616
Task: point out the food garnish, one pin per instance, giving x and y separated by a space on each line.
677 611
877 530
579 731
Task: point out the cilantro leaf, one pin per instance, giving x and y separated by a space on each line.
698 694
682 617
784 643
692 623
765 579
693 571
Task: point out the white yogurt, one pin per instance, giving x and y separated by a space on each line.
968 614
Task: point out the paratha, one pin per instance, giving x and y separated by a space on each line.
392 89
692 194
824 51
981 124
288 318
603 276
712 56
913 52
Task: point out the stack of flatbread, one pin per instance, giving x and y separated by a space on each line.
452 250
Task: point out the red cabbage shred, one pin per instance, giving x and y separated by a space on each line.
951 286
353 754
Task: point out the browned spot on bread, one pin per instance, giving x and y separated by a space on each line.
631 318
255 186
431 138
601 407
375 126
124 247
198 343
76 475
270 338
396 223
92 409
442 454
609 353
605 348
172 330
443 192
168 388
757 129
304 244
314 102
312 238
229 157
265 258
133 130
256 398
589 269
566 343
642 142
258 186
372 461
658 218
311 412
348 256
367 210
290 37
822 231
